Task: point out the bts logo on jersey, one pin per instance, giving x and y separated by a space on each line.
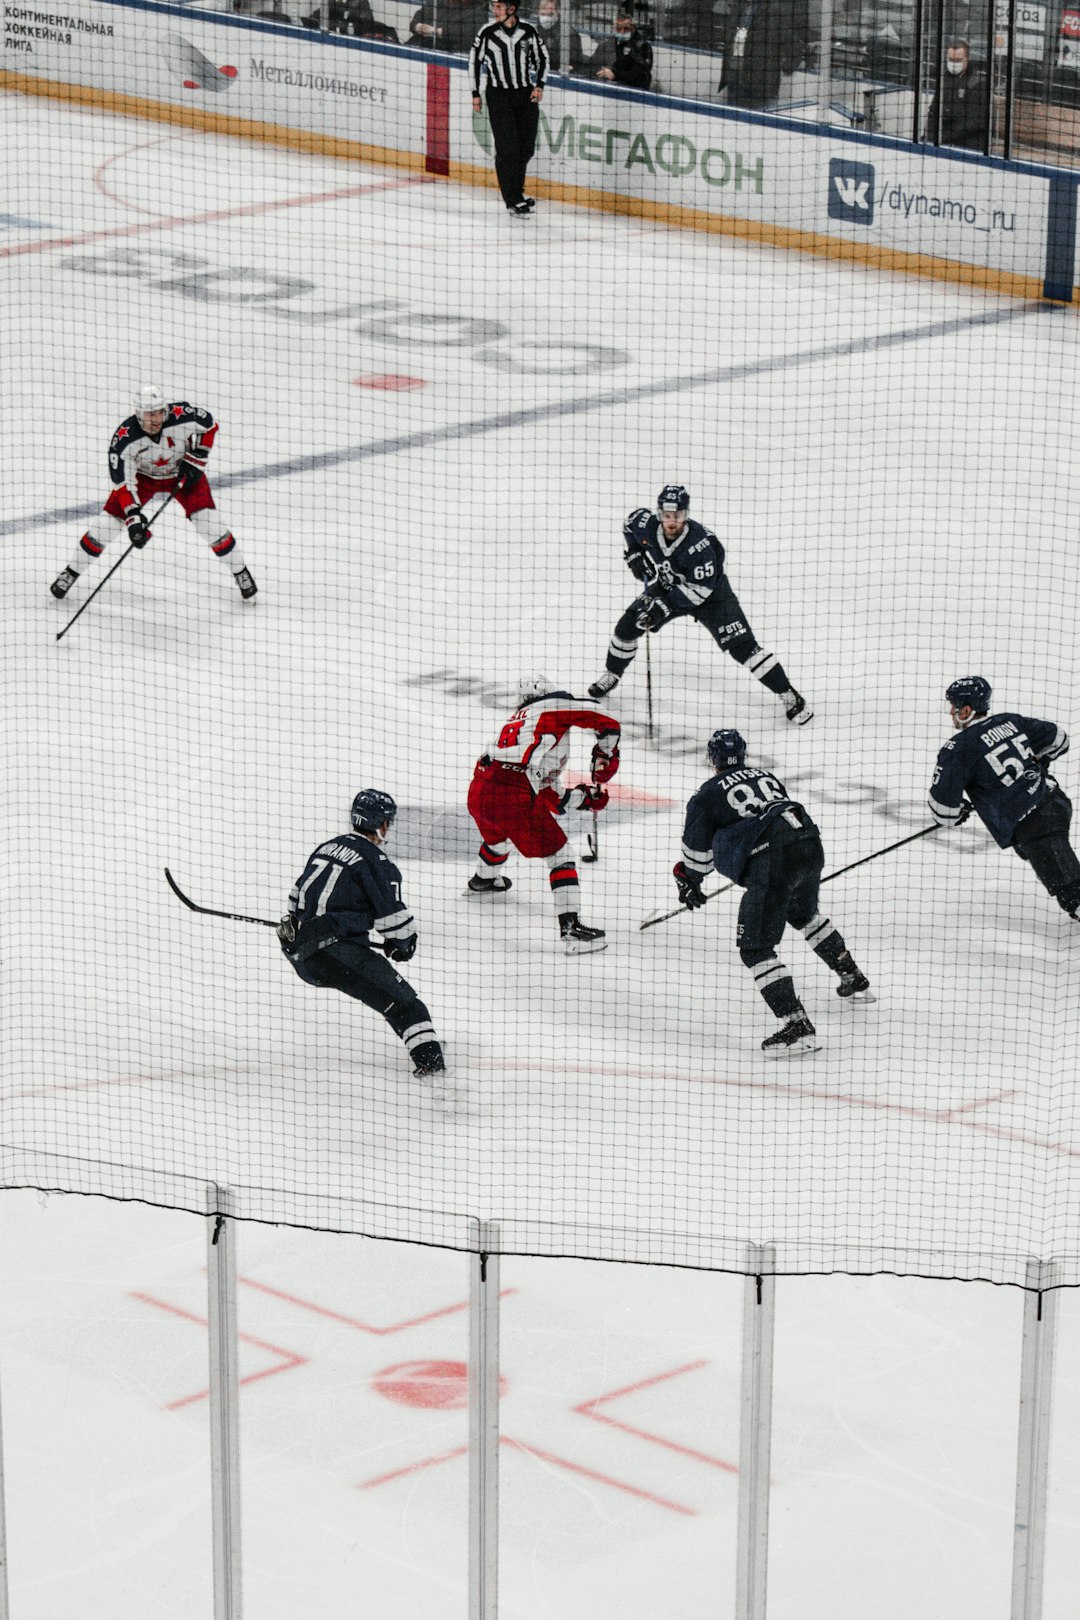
851 191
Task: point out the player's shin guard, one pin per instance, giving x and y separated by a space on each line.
763 666
826 941
622 650
773 980
563 877
222 542
412 1022
94 541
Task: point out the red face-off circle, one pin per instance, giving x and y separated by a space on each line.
437 1385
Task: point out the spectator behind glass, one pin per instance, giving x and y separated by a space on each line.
625 57
447 25
549 22
764 40
353 17
963 104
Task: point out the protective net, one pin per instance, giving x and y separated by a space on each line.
410 426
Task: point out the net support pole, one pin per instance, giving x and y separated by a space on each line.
824 98
755 1431
484 1425
1033 1451
224 1406
4 1610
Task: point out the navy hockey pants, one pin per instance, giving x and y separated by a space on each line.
782 881
367 975
723 618
1042 839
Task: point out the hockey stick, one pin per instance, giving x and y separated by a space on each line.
650 729
592 841
665 916
100 586
208 911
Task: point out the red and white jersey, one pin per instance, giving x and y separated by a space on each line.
535 736
133 451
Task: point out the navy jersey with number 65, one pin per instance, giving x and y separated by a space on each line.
729 816
347 888
999 763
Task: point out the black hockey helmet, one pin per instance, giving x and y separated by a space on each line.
726 748
673 498
969 692
370 809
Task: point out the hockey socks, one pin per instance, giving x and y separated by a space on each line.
565 890
776 985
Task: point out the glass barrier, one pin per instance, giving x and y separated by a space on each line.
1000 77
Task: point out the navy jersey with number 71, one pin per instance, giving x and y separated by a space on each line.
999 762
347 888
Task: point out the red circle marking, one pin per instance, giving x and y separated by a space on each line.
229 72
391 382
437 1385
189 84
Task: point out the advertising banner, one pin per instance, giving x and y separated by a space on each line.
864 198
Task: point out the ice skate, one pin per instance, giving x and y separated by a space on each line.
247 585
579 940
478 885
796 710
606 683
63 582
855 986
796 1038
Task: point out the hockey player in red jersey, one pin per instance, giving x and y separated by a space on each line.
161 449
516 795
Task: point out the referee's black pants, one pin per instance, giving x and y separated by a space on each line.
515 119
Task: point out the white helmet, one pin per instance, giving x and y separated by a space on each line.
146 399
531 687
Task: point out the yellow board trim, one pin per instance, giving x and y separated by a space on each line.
867 254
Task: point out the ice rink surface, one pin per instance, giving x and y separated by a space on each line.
433 423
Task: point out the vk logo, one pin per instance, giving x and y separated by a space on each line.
851 191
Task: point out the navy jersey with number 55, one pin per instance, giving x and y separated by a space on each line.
999 763
347 888
729 816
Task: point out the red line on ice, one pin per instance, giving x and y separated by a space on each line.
288 1358
588 1409
243 211
350 1321
544 1456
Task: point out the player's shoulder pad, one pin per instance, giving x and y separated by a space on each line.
128 430
180 411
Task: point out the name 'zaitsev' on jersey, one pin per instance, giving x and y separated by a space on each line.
161 449
516 798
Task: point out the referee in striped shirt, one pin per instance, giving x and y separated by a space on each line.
517 62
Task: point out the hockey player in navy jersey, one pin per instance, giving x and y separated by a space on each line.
681 565
1000 761
347 888
743 823
161 449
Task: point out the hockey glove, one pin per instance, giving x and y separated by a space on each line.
966 807
652 613
286 931
137 528
689 886
636 563
400 950
583 796
187 475
605 761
